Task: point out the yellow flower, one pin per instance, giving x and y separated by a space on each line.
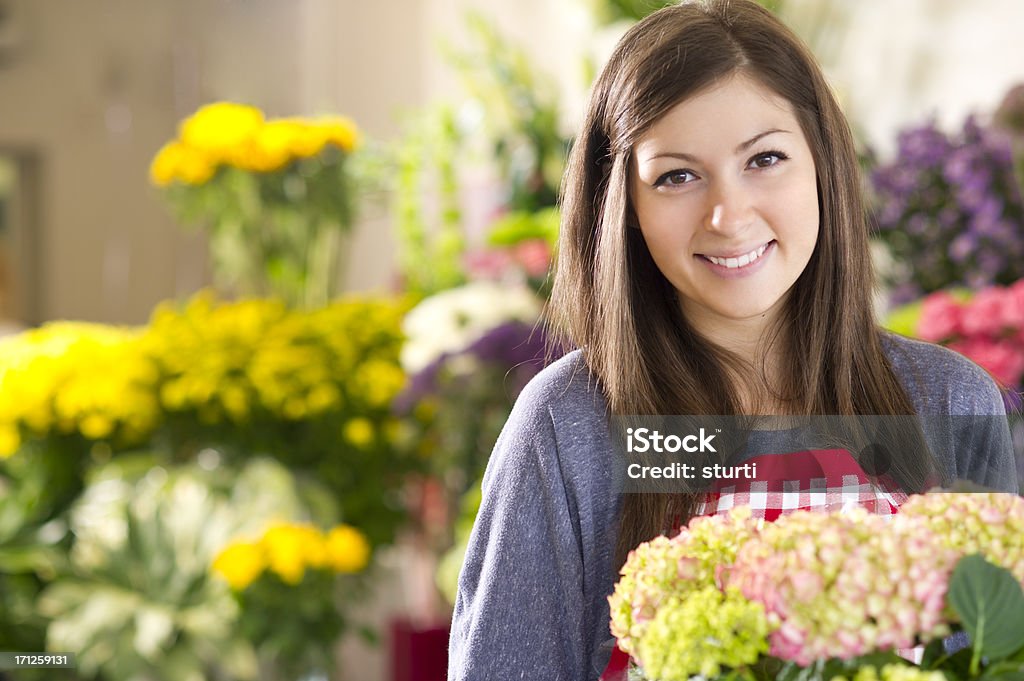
359 431
314 545
240 564
306 139
339 131
378 381
269 149
235 400
221 130
323 398
179 162
347 549
72 376
288 548
96 426
10 440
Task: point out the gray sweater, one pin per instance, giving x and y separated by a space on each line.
532 599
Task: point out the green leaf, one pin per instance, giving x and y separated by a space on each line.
933 652
1004 671
958 665
990 603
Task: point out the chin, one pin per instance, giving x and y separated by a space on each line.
739 314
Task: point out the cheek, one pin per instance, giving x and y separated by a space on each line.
666 222
799 213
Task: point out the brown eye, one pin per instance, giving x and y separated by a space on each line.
675 178
767 159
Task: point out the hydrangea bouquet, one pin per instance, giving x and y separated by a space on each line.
817 596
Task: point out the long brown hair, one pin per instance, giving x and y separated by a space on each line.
610 299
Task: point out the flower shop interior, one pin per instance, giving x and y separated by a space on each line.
271 277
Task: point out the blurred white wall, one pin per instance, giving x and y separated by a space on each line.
93 88
898 63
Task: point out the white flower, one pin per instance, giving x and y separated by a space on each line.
450 321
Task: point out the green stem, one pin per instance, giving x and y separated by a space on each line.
979 640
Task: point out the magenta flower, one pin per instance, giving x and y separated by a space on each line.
1004 359
984 314
940 317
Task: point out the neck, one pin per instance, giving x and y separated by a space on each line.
757 380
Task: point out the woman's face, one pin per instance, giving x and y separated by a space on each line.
725 190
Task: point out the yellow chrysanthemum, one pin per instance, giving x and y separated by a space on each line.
358 431
67 377
347 549
269 149
306 139
240 564
284 553
177 162
10 439
221 130
378 382
292 548
339 131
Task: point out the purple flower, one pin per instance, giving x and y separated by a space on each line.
514 348
950 208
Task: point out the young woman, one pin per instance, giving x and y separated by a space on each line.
713 259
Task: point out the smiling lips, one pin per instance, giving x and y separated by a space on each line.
736 262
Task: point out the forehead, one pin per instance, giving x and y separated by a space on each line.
721 115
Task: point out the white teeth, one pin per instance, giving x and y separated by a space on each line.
741 261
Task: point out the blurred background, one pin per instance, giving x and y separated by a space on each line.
270 278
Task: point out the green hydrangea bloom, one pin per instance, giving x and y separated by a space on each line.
701 634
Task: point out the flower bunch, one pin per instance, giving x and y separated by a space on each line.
237 361
76 378
275 195
949 209
811 589
989 524
448 322
225 134
312 389
844 585
292 585
468 350
663 569
288 550
986 326
520 246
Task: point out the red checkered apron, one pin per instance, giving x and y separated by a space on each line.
820 480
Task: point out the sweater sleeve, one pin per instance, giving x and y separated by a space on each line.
985 448
520 611
963 408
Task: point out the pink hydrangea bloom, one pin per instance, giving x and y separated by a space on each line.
940 317
1013 307
534 256
991 524
840 585
1004 359
984 314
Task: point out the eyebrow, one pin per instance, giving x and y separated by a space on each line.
743 146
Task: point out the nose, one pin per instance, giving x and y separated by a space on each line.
730 211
